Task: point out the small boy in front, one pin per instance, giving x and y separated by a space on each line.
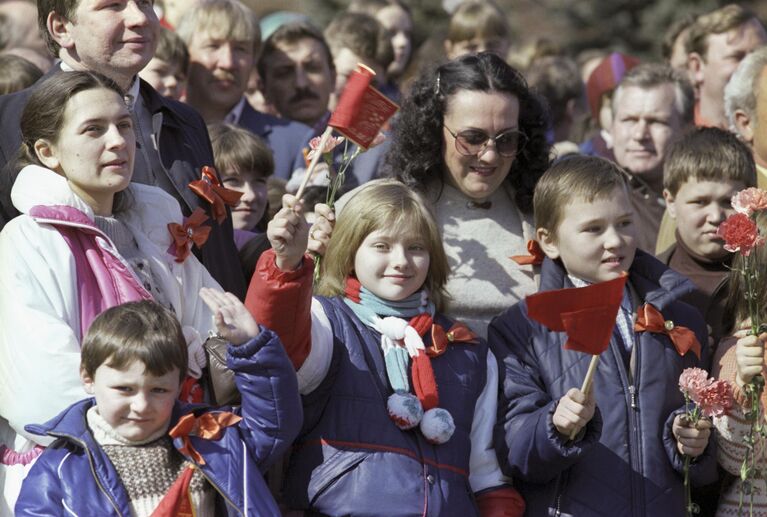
135 450
627 456
166 71
701 173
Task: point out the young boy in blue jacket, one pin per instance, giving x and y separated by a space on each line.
135 450
630 440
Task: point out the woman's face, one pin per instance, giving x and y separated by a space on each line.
396 20
95 147
493 113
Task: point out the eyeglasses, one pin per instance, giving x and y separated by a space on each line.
473 142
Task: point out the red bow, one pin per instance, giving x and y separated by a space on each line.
210 189
535 256
208 426
458 333
650 319
183 235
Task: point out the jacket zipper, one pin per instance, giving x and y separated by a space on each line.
217 489
93 469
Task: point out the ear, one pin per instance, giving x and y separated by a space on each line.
696 64
60 30
744 126
87 382
670 205
46 153
547 242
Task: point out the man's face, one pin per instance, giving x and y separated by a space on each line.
219 68
298 80
115 37
725 51
759 125
645 122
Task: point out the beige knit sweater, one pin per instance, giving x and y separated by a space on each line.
730 431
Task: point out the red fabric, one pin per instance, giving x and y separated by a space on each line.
191 232
424 383
282 301
362 111
176 503
534 258
586 314
502 502
458 333
191 391
650 319
352 289
210 189
207 426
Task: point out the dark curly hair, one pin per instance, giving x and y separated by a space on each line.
415 157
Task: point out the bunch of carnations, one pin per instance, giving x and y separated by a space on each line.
335 179
741 235
704 397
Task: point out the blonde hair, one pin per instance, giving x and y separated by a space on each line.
228 19
382 204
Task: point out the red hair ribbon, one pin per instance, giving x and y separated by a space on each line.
191 232
207 426
535 256
210 189
650 319
458 333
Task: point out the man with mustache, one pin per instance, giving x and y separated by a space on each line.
652 106
118 40
223 39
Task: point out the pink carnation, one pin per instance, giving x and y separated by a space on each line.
692 382
750 200
330 144
716 398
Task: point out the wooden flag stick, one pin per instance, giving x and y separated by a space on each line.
315 159
587 383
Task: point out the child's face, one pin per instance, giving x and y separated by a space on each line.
596 241
496 45
167 78
391 264
252 205
698 208
135 403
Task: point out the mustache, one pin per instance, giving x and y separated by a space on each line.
304 94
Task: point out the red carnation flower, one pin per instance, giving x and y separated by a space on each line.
740 233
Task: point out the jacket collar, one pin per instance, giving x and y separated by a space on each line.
654 282
27 192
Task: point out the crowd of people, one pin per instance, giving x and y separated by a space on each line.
182 334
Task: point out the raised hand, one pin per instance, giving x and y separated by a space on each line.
574 411
749 356
233 320
691 440
322 229
288 232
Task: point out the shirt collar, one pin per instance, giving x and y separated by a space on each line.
132 93
233 117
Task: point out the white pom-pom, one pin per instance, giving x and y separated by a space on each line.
437 425
393 328
405 409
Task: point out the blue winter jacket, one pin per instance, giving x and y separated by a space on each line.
75 477
627 463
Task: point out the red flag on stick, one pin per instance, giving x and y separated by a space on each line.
586 314
362 110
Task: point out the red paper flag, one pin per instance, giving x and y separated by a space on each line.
586 314
362 110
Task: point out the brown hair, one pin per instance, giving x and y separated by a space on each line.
43 115
382 204
16 73
673 32
362 34
64 8
718 21
576 177
172 49
710 154
289 34
736 307
238 150
136 331
478 19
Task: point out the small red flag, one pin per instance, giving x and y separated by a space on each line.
362 110
586 314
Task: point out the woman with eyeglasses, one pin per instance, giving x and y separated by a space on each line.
471 137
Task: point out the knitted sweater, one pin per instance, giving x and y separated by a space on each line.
483 280
730 429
